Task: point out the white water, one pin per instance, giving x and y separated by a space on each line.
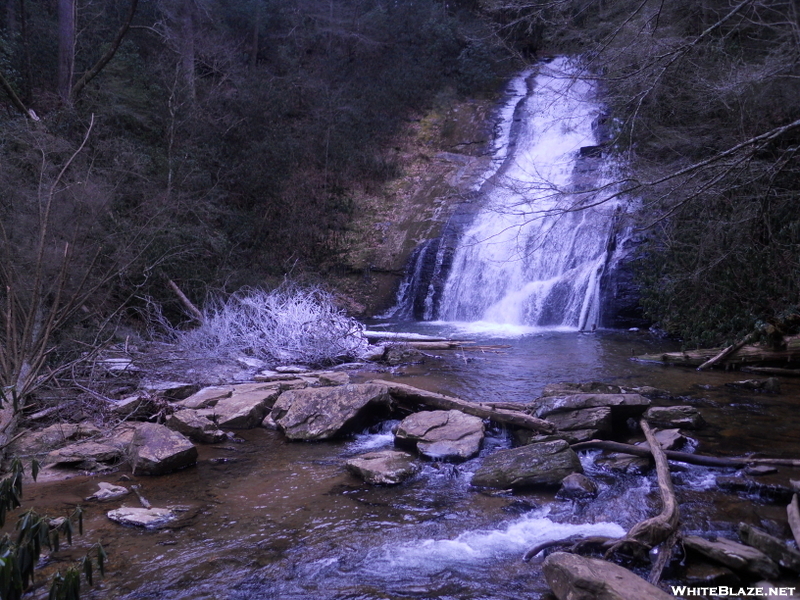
530 259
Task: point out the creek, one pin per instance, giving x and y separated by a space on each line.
272 519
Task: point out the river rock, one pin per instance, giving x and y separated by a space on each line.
206 397
322 413
398 354
670 439
385 467
622 405
245 408
573 577
577 485
108 491
138 407
541 464
49 438
773 492
733 555
596 421
196 426
776 549
84 455
703 573
568 389
683 417
333 378
149 518
442 434
156 450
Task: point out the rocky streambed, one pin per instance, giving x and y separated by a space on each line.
400 495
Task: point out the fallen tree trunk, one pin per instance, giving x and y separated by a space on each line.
403 392
692 459
651 532
746 355
725 353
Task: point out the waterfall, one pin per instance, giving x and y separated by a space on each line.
534 254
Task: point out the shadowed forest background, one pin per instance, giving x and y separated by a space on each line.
223 143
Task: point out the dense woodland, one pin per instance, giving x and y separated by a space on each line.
220 143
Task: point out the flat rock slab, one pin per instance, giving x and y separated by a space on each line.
37 442
195 426
84 453
734 555
568 388
157 450
323 413
682 417
245 409
628 404
573 577
149 518
541 464
175 390
385 467
442 434
597 419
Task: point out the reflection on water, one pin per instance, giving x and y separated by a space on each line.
285 520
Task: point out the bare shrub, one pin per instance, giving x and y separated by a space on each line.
288 325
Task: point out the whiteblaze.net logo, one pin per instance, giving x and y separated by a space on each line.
723 590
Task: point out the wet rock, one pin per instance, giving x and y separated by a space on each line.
776 549
322 413
621 404
246 407
84 455
766 491
292 369
771 385
442 434
398 354
624 463
573 577
670 439
108 491
174 390
652 392
272 376
682 417
541 464
568 389
149 518
195 426
577 485
703 573
598 420
733 555
386 467
156 450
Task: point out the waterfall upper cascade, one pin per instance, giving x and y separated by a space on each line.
534 253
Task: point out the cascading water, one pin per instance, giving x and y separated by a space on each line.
534 254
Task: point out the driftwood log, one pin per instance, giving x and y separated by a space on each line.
737 355
411 394
692 459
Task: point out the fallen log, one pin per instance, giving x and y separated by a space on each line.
725 353
746 355
651 532
401 392
445 345
793 512
692 459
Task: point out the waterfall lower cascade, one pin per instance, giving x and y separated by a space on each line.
534 253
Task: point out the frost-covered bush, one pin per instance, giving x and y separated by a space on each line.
287 325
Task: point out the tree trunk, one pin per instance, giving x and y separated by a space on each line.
66 48
187 49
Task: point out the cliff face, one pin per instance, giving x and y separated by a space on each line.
440 154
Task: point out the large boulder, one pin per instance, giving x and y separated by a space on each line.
385 467
322 413
156 450
573 577
540 464
597 421
442 434
149 518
